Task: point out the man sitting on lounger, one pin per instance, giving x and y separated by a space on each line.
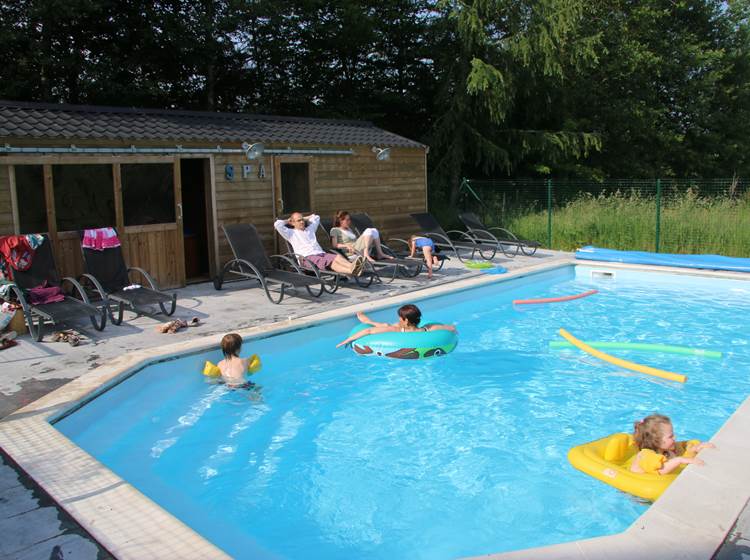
299 231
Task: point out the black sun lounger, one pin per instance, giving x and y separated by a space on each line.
463 242
408 267
107 271
253 263
387 269
503 237
43 272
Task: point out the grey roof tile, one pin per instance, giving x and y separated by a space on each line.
78 122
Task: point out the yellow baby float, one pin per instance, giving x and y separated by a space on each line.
212 370
609 459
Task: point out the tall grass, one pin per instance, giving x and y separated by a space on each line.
690 223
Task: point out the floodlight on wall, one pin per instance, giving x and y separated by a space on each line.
381 154
253 151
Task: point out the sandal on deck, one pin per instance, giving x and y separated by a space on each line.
359 264
66 336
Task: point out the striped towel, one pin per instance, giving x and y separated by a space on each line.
100 239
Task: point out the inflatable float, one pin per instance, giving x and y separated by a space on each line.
478 264
405 345
707 262
609 459
642 346
212 370
620 362
554 299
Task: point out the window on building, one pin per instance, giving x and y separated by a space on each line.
84 196
32 206
295 187
148 193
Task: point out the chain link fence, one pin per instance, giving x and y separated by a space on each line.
695 216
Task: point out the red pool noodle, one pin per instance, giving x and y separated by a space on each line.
554 299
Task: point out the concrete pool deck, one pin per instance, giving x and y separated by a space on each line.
30 370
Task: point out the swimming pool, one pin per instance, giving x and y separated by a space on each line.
355 457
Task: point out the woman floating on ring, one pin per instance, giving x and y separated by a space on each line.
409 318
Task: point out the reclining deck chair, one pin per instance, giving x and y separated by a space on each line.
332 279
376 269
431 228
43 272
107 271
401 251
251 262
503 237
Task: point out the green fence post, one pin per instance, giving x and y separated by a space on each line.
549 213
658 214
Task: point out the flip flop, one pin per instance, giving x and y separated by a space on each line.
10 335
359 264
7 344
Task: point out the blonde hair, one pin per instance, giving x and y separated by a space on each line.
648 432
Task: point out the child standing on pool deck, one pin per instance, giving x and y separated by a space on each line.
409 317
659 452
428 247
233 367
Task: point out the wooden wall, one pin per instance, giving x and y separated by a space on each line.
243 200
6 207
387 190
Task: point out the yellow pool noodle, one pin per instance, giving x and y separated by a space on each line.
619 362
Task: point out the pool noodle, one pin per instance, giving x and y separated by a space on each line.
619 362
667 348
554 299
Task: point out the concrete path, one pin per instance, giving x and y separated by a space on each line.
33 527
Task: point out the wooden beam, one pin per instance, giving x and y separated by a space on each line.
49 199
14 199
179 238
208 196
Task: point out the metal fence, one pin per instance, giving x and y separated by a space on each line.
662 215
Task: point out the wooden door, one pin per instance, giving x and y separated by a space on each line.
157 247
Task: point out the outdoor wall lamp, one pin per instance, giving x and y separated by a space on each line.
253 151
381 154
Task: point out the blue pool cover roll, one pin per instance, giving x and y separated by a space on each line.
710 262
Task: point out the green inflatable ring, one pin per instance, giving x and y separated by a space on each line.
405 345
478 264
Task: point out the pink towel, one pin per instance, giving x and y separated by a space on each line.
100 239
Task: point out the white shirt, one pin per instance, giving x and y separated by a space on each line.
303 241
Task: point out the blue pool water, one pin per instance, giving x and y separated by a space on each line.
338 456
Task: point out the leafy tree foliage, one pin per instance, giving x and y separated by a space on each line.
581 88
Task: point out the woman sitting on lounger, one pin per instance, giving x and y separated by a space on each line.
344 238
299 231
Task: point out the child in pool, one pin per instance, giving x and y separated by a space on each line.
409 317
659 452
233 367
428 250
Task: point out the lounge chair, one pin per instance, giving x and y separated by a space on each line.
43 272
396 247
107 271
376 269
503 237
332 279
252 262
464 242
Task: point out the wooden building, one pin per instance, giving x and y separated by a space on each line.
168 180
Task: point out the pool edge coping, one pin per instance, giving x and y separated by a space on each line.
130 525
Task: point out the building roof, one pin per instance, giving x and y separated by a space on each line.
85 122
